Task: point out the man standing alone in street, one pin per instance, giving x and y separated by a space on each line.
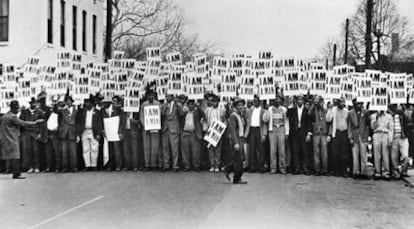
236 128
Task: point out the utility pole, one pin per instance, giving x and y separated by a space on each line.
334 55
346 41
368 32
108 40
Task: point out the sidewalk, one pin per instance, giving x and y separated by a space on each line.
410 180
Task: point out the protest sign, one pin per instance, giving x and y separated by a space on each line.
94 76
6 96
397 88
63 60
111 126
118 55
362 87
81 87
291 83
333 86
152 118
214 132
132 99
318 82
379 100
153 52
173 58
175 81
267 89
228 86
162 86
247 87
194 86
347 90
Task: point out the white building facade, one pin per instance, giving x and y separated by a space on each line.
45 27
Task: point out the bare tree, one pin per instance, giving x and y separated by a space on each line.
151 23
386 21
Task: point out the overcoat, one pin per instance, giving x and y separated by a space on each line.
9 136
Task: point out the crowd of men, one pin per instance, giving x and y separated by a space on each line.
298 135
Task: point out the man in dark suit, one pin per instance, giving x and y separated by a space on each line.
90 127
68 135
359 124
132 141
300 133
30 137
191 136
170 131
113 109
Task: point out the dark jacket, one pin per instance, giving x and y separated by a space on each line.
97 122
170 120
136 126
319 123
198 115
33 130
233 129
305 124
67 124
359 125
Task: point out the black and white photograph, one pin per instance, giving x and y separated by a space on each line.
187 114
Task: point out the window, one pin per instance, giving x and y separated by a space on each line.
62 23
84 30
74 27
94 34
4 20
50 23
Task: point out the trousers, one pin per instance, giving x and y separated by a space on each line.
340 152
399 150
320 153
381 153
90 148
190 147
256 152
170 141
151 149
30 150
277 149
69 158
359 157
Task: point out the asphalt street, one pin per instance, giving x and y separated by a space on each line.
201 200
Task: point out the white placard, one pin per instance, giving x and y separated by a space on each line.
111 126
152 118
397 88
214 132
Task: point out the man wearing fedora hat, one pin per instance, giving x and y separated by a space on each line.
9 136
31 137
68 135
236 129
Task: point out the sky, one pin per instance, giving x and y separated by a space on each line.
286 27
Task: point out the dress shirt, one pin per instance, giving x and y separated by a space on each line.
88 121
255 120
189 121
341 120
300 111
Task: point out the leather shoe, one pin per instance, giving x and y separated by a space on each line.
240 182
19 177
226 174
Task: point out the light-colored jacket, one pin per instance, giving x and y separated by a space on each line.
269 117
264 118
